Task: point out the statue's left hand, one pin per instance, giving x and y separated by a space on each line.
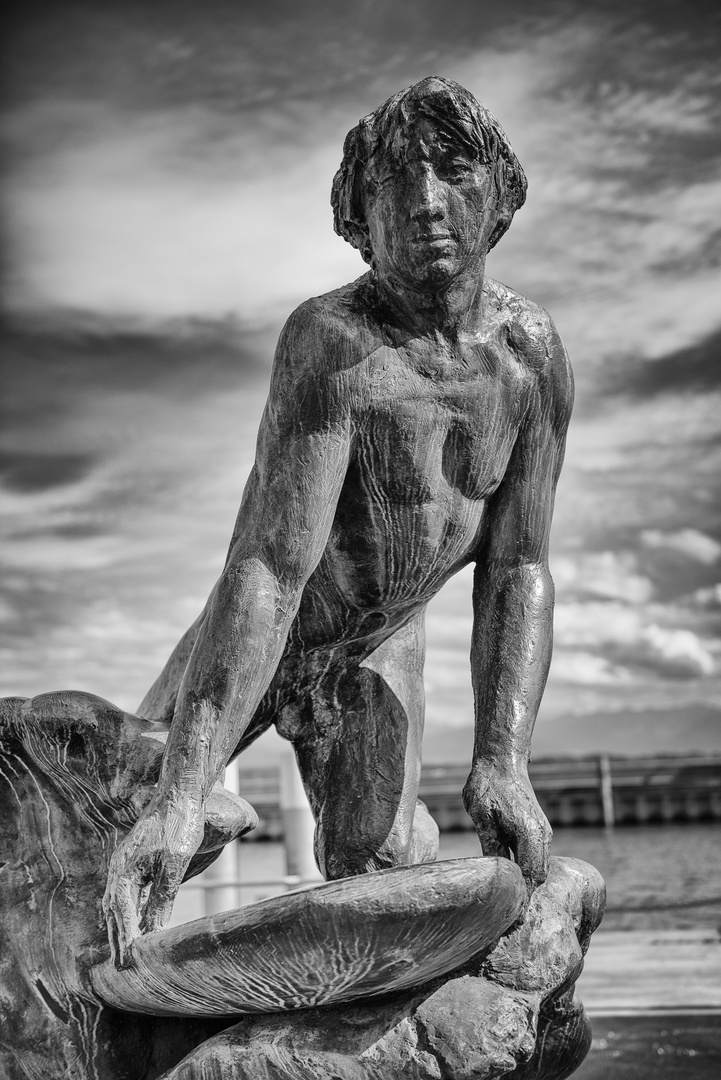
146 871
508 818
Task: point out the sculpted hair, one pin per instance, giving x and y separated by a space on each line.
464 120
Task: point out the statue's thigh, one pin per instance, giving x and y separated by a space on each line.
358 725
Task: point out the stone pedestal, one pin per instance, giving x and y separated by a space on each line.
423 971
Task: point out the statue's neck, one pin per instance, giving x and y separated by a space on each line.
454 311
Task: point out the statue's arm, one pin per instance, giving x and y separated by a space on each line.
283 525
513 600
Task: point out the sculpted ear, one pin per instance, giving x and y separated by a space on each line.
503 209
510 196
349 190
503 222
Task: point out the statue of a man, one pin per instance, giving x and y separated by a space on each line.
415 423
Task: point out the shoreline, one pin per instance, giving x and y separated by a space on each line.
629 972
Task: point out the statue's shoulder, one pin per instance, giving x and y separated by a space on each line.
318 349
341 317
533 338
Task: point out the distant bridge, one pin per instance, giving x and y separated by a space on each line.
602 790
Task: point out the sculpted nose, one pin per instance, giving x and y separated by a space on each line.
425 200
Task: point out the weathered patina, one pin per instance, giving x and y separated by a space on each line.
415 425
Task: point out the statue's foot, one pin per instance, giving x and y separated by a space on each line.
79 772
510 1013
343 940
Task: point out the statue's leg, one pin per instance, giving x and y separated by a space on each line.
159 702
356 722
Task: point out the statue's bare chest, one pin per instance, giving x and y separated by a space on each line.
430 423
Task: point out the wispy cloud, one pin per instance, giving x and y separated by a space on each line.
189 208
689 542
122 220
168 209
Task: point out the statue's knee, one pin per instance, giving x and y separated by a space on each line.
352 855
425 838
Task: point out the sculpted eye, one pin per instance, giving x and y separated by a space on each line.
377 183
454 171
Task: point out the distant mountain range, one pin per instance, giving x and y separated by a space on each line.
655 731
661 731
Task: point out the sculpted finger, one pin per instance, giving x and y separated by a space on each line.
120 904
113 939
159 906
122 932
532 852
493 840
158 912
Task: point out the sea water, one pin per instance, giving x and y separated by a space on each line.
657 876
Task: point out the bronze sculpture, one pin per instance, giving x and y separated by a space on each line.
415 423
469 991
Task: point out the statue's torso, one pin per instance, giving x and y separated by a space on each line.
433 431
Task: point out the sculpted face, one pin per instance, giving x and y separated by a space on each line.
430 208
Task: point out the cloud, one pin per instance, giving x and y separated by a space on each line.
616 241
608 574
634 466
696 368
625 635
102 646
690 542
677 111
35 471
585 668
596 623
124 221
193 207
154 440
677 652
57 555
167 203
8 611
708 598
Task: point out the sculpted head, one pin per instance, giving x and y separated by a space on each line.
428 183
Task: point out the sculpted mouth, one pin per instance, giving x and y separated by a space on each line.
433 238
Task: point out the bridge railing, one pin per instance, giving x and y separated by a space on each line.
573 791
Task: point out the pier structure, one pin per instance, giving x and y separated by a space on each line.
599 790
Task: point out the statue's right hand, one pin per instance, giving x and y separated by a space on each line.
146 871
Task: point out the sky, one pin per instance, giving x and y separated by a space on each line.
165 199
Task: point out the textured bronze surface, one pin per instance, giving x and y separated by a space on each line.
415 424
74 773
340 941
511 1014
